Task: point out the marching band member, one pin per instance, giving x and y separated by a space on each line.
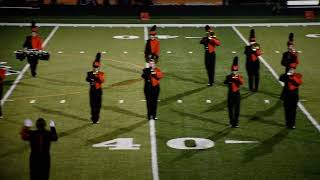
290 58
152 75
290 96
210 43
234 81
95 79
252 53
33 42
152 47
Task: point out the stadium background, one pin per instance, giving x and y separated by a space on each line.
279 153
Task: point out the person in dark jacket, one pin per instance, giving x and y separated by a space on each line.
40 141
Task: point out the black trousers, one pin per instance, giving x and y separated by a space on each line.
151 94
39 166
253 69
95 103
290 104
33 61
234 107
210 62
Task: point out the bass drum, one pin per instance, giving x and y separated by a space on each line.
44 55
20 54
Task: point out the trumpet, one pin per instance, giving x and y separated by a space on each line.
255 46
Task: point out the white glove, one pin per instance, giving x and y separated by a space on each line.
28 123
51 123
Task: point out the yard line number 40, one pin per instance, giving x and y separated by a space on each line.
178 143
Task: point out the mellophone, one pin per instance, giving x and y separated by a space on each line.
22 54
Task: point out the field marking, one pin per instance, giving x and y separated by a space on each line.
191 37
25 68
165 25
239 142
275 75
153 138
145 29
154 156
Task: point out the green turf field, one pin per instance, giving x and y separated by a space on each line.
279 154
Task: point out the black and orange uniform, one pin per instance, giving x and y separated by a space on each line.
252 53
33 42
210 43
2 77
290 58
253 66
152 47
290 97
95 78
234 81
152 89
40 141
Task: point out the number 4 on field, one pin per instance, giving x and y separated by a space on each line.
119 144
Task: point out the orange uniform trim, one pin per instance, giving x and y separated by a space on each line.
236 83
212 44
254 56
294 81
2 75
36 42
155 78
99 80
155 46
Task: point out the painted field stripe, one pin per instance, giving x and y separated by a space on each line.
239 142
165 25
154 156
145 29
153 138
192 37
25 68
275 75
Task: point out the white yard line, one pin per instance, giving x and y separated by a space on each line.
165 25
25 68
154 155
145 29
275 75
153 138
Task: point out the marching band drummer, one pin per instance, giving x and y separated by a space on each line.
33 42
